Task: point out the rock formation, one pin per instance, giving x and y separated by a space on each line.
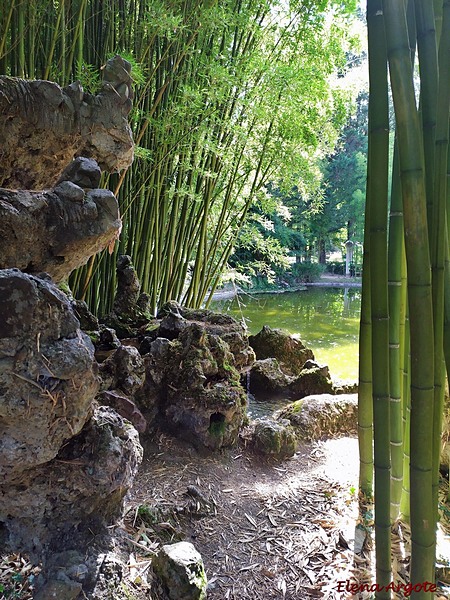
43 126
322 415
290 352
65 462
55 231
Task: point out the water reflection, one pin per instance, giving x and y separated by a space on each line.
326 319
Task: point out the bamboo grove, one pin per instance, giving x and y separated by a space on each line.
404 338
228 97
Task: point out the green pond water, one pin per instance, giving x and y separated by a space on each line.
325 319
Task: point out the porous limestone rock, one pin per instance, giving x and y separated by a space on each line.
204 402
192 361
267 379
175 317
62 503
274 438
55 231
43 127
315 380
322 415
123 369
130 308
290 352
48 377
180 568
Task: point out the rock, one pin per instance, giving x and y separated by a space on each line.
128 314
89 479
83 172
67 190
109 575
108 338
150 396
321 415
48 231
204 401
180 568
48 377
59 590
322 369
125 407
345 387
88 322
192 382
128 287
44 126
274 437
311 381
175 317
123 369
290 352
267 379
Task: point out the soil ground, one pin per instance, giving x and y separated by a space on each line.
266 530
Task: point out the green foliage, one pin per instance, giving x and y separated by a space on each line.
89 77
227 99
336 267
307 272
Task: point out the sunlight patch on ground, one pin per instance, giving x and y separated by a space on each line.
341 461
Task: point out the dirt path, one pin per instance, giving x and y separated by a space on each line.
266 530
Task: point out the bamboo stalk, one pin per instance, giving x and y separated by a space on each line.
378 194
419 293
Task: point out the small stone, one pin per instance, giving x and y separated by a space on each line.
60 590
85 172
274 438
66 190
180 568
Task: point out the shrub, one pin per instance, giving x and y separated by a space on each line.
307 272
336 267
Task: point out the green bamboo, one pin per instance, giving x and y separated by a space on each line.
365 405
396 343
405 504
438 238
378 198
428 60
419 293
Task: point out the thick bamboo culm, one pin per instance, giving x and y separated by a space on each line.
418 282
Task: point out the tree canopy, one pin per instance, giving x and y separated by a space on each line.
229 96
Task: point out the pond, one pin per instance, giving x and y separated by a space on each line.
325 319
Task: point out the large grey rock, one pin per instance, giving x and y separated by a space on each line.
181 571
43 126
48 377
290 352
204 402
192 378
174 318
266 379
315 380
62 503
322 415
55 232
